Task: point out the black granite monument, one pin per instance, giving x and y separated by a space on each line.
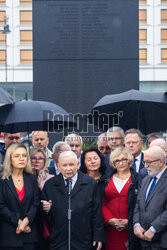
83 50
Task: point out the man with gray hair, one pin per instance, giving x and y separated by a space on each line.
115 139
150 213
58 148
157 142
102 144
75 142
85 216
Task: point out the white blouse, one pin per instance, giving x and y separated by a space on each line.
119 184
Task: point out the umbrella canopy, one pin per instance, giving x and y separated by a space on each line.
5 97
26 116
135 109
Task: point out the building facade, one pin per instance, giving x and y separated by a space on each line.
16 68
153 45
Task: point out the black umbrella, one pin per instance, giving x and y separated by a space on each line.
26 116
133 109
5 97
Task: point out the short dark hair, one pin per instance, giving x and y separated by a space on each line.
83 167
134 131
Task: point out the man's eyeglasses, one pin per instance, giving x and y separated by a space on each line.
114 138
149 163
124 160
37 159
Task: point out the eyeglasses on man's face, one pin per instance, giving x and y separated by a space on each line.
114 138
149 163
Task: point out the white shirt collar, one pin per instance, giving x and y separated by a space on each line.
74 179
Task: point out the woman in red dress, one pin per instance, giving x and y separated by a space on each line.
119 202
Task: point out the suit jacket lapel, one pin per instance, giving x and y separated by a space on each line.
12 188
27 186
145 189
59 183
78 185
157 186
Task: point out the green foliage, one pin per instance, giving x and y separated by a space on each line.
88 145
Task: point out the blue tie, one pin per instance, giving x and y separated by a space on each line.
151 187
134 164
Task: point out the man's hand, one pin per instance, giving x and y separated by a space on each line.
139 232
99 245
46 205
148 235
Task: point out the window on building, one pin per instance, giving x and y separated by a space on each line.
25 2
164 16
2 2
163 55
2 56
2 38
142 55
142 36
164 36
26 17
26 56
26 37
142 1
142 16
2 17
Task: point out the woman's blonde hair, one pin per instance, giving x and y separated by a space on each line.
7 165
117 152
36 150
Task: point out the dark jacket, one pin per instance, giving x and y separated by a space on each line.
51 168
3 152
86 218
11 210
133 242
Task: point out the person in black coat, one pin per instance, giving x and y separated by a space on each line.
86 217
93 164
19 201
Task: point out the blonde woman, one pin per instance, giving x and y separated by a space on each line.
39 166
19 201
119 202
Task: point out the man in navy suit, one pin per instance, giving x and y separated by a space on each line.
134 143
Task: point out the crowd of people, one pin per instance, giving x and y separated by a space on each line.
112 197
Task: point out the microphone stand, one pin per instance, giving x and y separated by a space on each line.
69 213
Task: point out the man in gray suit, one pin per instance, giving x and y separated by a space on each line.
150 214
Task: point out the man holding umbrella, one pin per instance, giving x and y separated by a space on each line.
79 224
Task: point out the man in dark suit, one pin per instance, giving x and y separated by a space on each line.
150 214
134 143
86 218
157 142
58 148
